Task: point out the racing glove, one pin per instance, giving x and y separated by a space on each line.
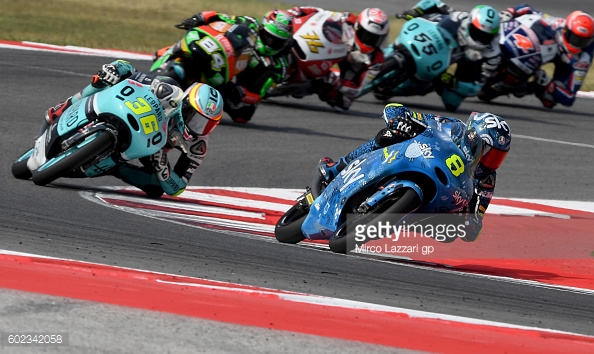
506 15
410 14
447 81
194 21
109 74
402 126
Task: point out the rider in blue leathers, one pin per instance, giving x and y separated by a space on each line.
478 54
403 124
575 39
193 114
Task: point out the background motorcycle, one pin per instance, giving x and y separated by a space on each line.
317 46
121 123
427 174
211 54
427 50
526 44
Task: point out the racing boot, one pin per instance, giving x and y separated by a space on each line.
329 169
56 111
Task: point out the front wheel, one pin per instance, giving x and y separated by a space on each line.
19 167
73 158
288 227
345 237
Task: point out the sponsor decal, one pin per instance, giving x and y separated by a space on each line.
523 43
417 149
455 164
487 138
352 173
313 42
494 122
199 148
459 200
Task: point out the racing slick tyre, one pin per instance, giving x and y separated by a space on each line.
73 158
288 227
19 166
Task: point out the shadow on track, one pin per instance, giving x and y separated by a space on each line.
321 108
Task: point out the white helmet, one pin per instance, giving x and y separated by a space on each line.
479 29
371 29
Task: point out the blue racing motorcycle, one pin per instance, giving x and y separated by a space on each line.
430 173
121 123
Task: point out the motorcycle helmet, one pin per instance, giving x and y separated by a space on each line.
471 144
496 135
200 111
275 32
479 29
371 29
578 32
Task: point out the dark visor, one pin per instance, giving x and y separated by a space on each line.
577 41
480 36
196 123
271 41
368 38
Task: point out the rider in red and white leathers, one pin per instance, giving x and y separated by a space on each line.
575 39
365 35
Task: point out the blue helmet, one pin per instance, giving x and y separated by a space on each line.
496 135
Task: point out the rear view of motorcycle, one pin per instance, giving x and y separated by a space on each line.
122 123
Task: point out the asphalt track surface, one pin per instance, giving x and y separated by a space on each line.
279 148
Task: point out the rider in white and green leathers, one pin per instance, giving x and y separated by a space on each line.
192 114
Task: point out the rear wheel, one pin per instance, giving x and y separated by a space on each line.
73 158
19 167
288 227
487 95
392 74
344 236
